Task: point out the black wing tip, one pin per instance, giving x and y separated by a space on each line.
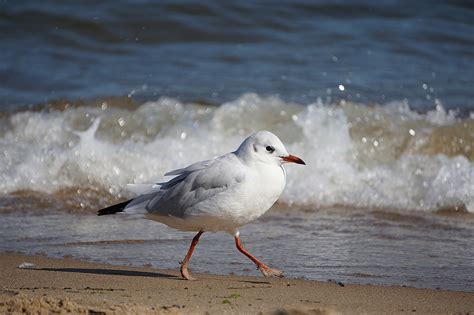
114 208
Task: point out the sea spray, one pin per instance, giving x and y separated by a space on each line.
358 155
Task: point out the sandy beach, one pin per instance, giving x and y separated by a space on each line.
143 107
67 285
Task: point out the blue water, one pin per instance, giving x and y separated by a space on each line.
215 51
376 97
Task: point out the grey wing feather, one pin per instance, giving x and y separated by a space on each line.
191 168
192 185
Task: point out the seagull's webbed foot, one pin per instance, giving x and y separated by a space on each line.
269 272
185 273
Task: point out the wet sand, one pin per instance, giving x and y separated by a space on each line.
67 285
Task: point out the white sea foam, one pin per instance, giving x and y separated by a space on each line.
377 157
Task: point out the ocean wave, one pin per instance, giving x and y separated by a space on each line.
357 155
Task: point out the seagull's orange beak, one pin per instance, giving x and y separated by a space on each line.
293 159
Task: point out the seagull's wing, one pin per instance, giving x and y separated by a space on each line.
146 192
194 184
193 167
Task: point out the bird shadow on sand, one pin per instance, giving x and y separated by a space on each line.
113 272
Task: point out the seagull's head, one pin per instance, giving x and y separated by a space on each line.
265 147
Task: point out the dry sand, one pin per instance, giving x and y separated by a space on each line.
66 285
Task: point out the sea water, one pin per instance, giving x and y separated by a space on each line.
376 98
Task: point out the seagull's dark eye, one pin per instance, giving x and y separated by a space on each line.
270 149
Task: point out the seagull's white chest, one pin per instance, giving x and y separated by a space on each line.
262 189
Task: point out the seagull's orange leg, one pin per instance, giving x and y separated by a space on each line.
184 264
267 271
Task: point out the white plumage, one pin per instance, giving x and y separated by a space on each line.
217 195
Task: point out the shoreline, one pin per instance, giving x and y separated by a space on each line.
62 285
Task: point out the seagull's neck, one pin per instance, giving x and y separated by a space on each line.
244 151
243 156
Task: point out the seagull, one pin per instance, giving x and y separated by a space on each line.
221 194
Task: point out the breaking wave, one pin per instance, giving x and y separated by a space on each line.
357 155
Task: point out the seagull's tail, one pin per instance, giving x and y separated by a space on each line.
115 208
